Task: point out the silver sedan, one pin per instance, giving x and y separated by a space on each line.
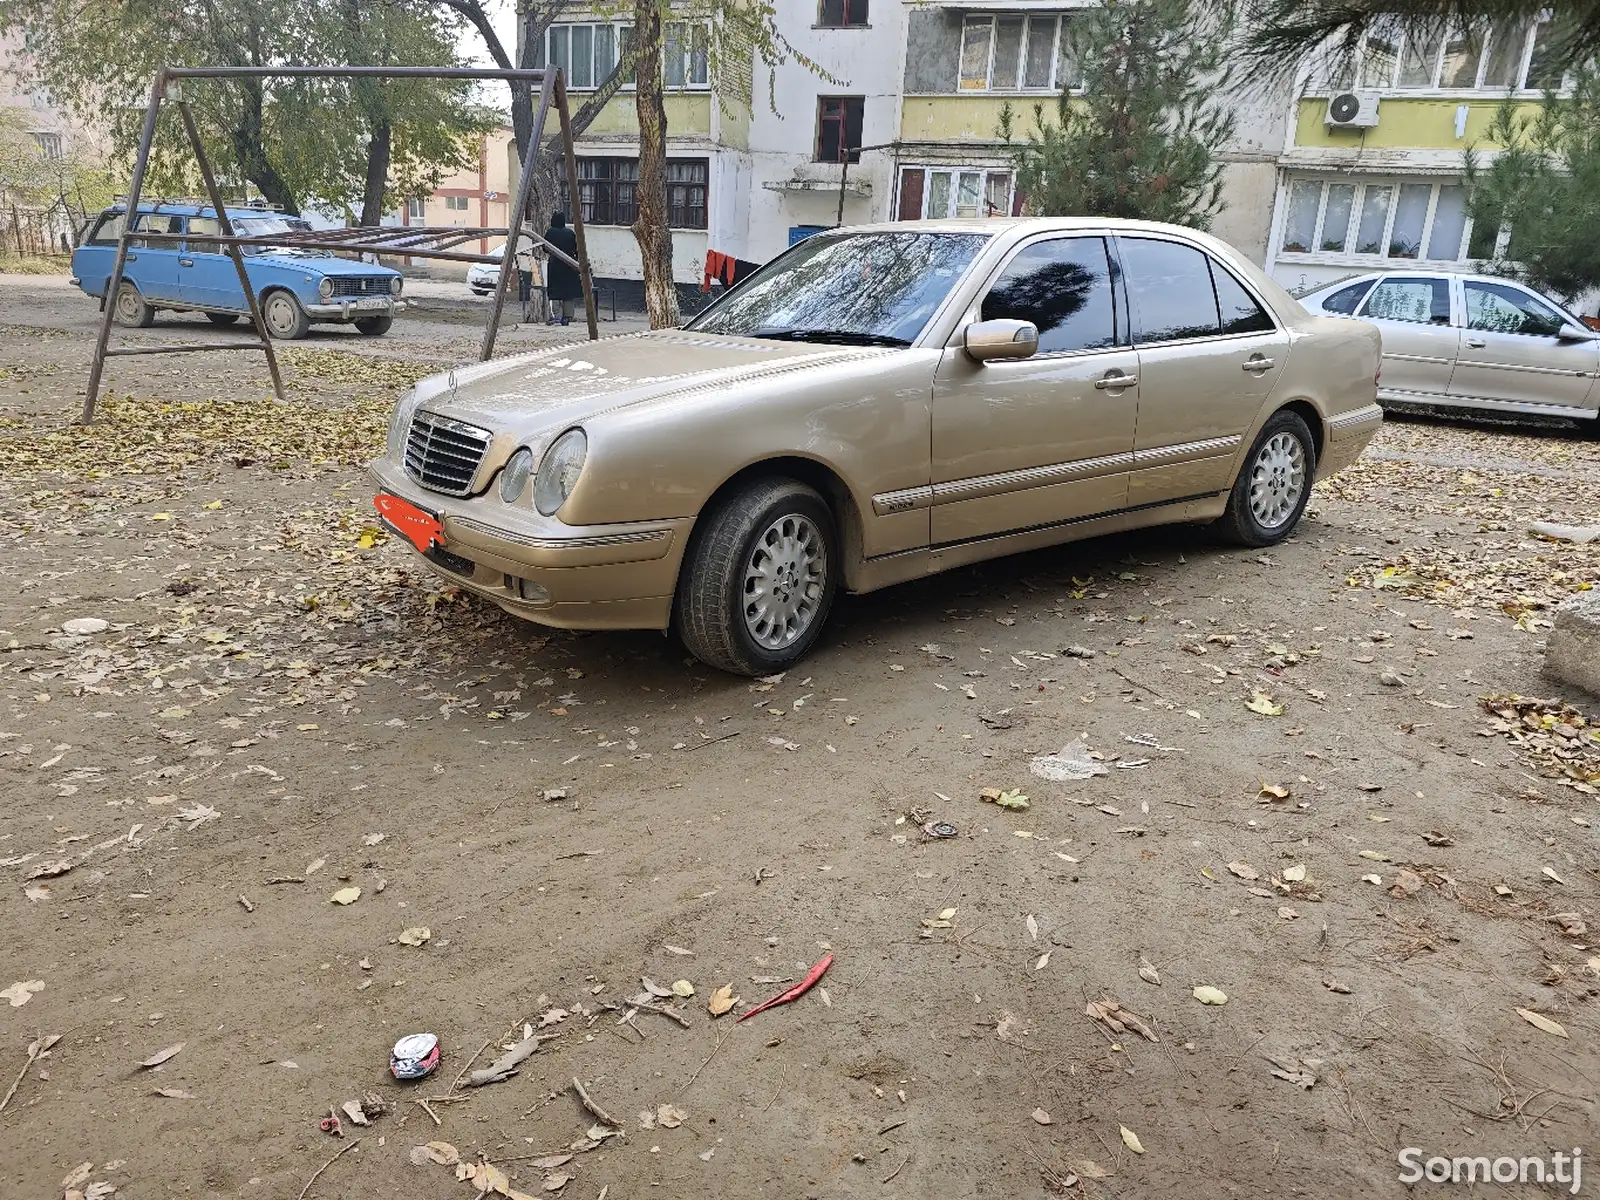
1472 341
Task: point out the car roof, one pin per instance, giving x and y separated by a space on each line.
1402 272
1017 225
191 208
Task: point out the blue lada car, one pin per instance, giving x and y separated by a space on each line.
296 288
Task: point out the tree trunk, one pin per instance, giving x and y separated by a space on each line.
378 151
251 153
650 229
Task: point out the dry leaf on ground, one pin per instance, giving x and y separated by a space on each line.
1541 1022
161 1056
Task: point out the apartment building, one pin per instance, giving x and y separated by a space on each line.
1370 172
479 195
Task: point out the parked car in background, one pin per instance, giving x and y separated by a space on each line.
295 288
875 405
483 278
1473 341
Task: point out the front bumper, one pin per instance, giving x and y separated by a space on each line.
348 310
572 577
1347 436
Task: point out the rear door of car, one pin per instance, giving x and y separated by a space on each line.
1210 353
206 276
1511 354
1045 439
152 265
1420 341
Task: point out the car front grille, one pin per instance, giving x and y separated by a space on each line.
443 455
360 285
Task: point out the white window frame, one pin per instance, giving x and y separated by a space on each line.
992 19
416 208
1349 256
929 170
620 31
1435 85
458 203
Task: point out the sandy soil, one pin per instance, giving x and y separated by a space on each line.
282 695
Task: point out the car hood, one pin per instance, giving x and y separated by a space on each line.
324 265
538 392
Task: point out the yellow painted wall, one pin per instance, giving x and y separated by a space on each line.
963 118
1420 124
687 112
734 119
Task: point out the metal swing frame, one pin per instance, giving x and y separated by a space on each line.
411 241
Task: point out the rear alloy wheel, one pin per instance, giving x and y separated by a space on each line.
1275 484
375 326
759 579
222 318
285 319
132 309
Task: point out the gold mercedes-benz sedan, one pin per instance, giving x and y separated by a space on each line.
877 404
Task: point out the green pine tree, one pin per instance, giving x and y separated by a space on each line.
1141 140
1544 186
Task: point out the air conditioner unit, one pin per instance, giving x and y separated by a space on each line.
1353 110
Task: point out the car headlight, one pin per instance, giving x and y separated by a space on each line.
400 424
559 471
514 475
325 288
395 285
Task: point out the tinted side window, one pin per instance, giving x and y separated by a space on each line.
1426 301
1169 290
1063 287
1500 309
1347 300
1239 310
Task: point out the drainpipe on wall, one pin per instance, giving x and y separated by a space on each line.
483 191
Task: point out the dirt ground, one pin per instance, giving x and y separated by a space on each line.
284 706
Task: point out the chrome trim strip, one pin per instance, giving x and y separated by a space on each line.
905 500
1559 372
978 487
1430 359
1030 477
1208 448
1433 399
1367 414
586 542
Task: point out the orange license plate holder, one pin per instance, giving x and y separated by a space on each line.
417 525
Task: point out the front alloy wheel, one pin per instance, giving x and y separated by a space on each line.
758 578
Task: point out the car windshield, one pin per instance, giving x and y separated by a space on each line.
853 289
265 226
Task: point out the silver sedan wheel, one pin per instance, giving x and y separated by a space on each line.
784 582
1277 480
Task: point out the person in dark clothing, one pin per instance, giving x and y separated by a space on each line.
562 284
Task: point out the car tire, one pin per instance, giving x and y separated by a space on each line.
284 317
132 310
222 318
1274 485
776 530
374 326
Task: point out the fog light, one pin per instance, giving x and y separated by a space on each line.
532 592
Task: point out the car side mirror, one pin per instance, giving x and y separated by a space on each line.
1575 333
994 341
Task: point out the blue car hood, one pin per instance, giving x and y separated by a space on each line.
324 266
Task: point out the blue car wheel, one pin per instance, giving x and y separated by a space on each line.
132 309
285 319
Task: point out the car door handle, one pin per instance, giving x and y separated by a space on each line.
1115 381
1259 364
131 258
1476 343
186 262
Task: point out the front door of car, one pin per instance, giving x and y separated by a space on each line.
1420 343
1210 354
206 276
1510 351
1036 441
153 266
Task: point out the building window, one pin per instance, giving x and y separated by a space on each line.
685 55
416 209
587 53
933 193
1488 57
839 14
838 127
608 191
49 144
1380 219
1016 53
456 203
